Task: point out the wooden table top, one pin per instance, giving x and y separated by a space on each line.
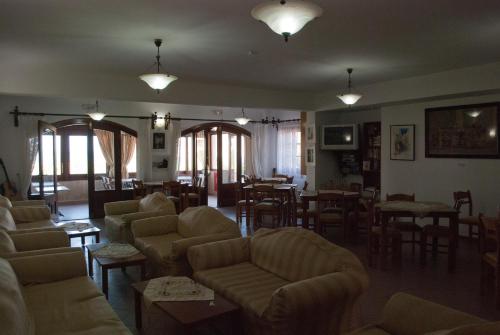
191 312
276 186
105 261
416 207
314 194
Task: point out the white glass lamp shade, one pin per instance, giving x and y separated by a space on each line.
349 98
474 114
242 120
158 81
97 116
288 18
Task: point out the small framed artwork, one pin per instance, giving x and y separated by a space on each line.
158 141
469 131
311 156
311 134
403 142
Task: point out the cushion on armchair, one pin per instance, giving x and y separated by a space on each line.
156 202
204 220
5 202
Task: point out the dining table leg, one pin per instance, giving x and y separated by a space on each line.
305 209
452 247
247 207
435 240
383 240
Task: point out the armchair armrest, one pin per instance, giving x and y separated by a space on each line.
30 214
23 203
46 268
35 230
219 254
40 240
159 225
121 207
334 294
180 247
404 311
128 218
38 252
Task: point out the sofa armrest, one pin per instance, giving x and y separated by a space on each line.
403 314
46 268
159 225
35 230
219 254
38 252
121 207
40 240
334 294
23 203
180 247
128 218
30 214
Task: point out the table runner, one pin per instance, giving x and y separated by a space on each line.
78 226
116 250
176 289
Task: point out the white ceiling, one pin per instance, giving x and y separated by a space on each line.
209 40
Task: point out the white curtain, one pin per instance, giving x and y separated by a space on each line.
258 136
29 128
106 142
128 149
249 159
288 154
174 136
144 151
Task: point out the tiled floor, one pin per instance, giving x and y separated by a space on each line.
73 211
459 290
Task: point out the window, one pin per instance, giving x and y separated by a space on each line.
185 150
213 151
48 162
289 150
132 165
99 160
78 154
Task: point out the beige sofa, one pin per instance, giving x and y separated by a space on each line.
21 217
165 240
120 214
29 240
287 280
7 203
405 314
52 294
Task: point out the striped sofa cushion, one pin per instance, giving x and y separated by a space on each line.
296 254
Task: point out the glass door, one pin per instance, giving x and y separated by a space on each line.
47 187
201 170
229 168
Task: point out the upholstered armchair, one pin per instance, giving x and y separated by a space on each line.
7 203
50 293
287 280
165 240
120 214
25 217
26 242
405 314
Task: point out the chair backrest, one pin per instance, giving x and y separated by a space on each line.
260 191
306 184
172 188
106 182
138 188
356 187
462 198
400 197
330 199
489 235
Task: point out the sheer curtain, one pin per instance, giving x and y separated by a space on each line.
29 126
106 142
288 153
128 149
258 135
144 153
174 163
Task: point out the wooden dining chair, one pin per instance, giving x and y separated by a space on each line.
196 190
405 226
325 217
436 233
356 187
295 210
176 192
267 203
241 204
460 199
375 242
139 190
489 239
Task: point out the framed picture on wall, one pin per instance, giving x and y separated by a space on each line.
462 131
311 156
158 141
311 134
403 142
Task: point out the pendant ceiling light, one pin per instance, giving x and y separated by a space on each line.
158 81
95 115
243 120
286 17
349 98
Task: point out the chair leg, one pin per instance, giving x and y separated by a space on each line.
497 287
470 232
423 247
483 278
413 241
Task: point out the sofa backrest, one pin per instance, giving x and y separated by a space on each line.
156 202
6 219
14 315
204 220
296 254
5 202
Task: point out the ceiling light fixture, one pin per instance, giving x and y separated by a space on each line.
349 98
158 81
474 114
243 120
286 17
95 115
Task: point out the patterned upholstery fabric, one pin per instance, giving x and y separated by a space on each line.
155 202
6 244
426 317
288 280
6 219
6 203
25 218
165 240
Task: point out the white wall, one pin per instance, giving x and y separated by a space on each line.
435 179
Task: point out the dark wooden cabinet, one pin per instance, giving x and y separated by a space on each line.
371 152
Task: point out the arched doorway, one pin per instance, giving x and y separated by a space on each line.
218 152
92 159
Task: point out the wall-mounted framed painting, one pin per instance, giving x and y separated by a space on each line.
311 134
311 156
158 141
469 131
403 142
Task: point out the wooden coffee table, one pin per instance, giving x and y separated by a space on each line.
113 263
92 231
189 314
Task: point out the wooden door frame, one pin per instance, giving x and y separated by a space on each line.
42 125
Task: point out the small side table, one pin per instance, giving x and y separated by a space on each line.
113 263
91 231
190 314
